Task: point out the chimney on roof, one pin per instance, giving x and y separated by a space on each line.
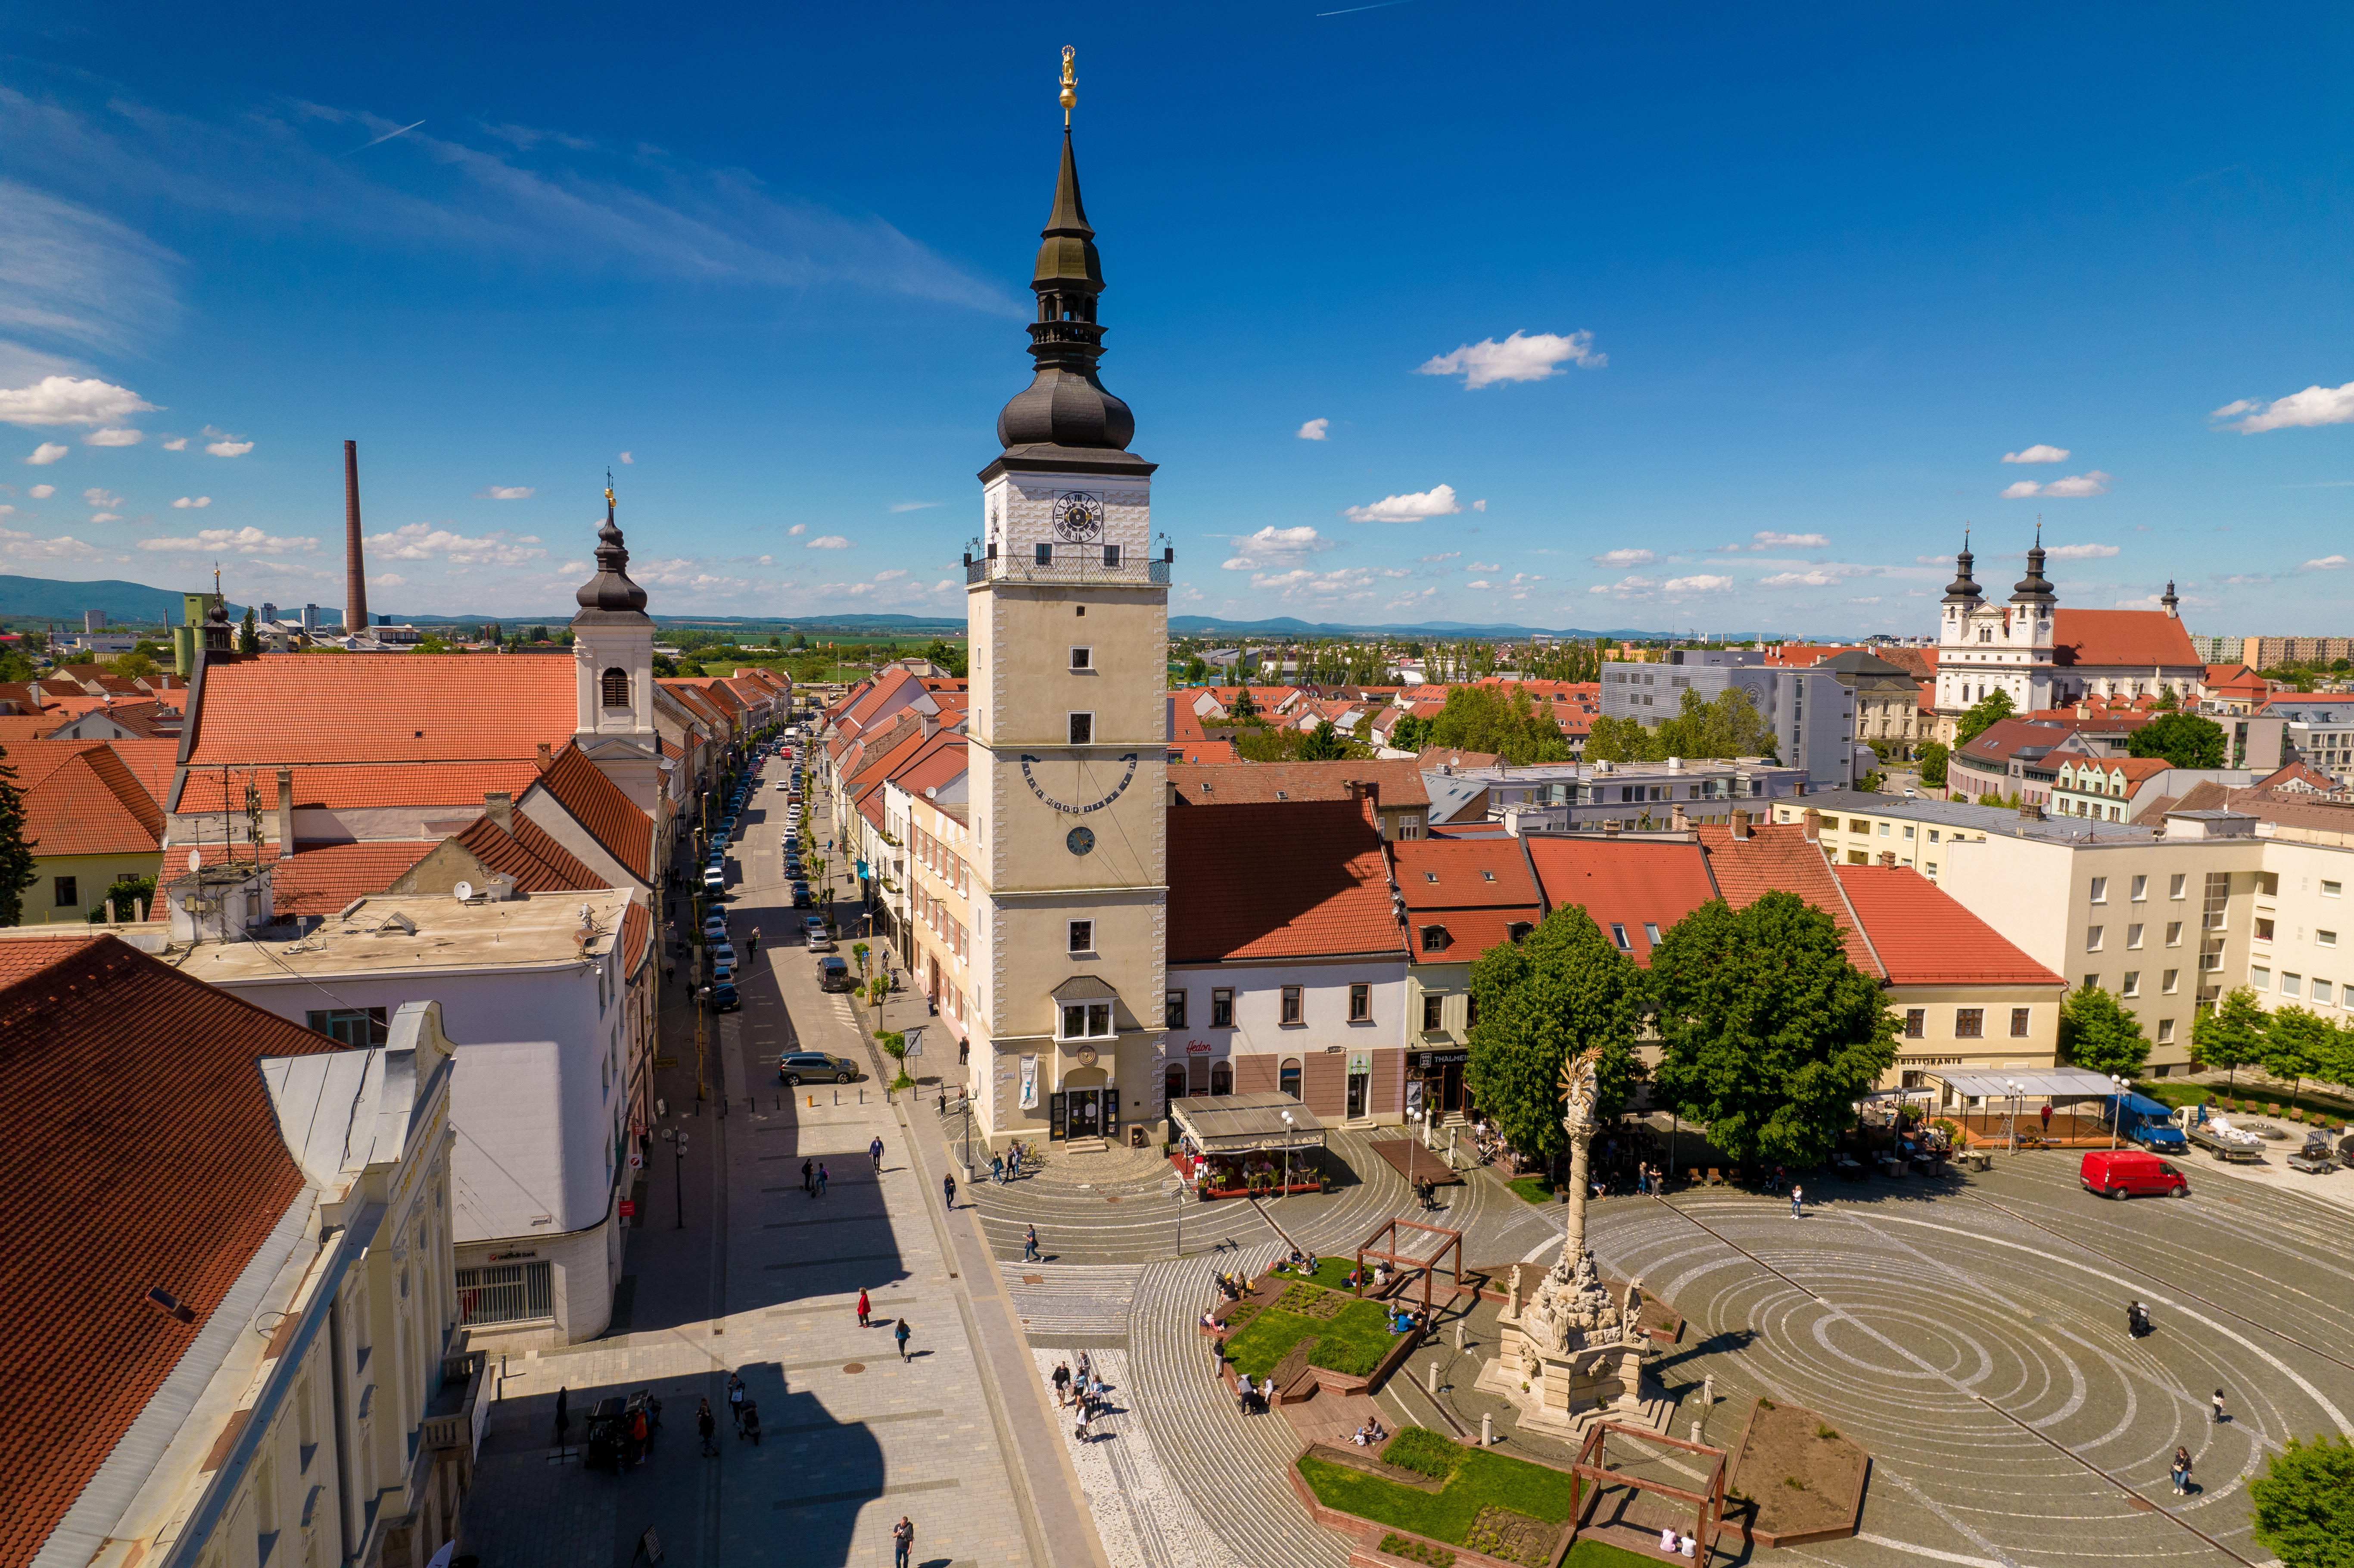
1888 857
1740 821
285 811
356 610
546 760
1678 821
499 806
1610 828
1811 826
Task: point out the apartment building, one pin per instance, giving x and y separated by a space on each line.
1811 712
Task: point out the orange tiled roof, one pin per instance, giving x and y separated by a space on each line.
1279 881
537 862
1924 937
597 803
1397 783
460 786
637 931
2136 638
275 708
1631 884
79 799
20 956
1476 888
152 762
1779 857
323 878
172 1179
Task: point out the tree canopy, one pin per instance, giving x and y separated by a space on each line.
2099 1036
1988 711
2305 1503
16 851
1771 1035
1503 719
2184 739
1934 755
1561 989
2232 1035
2299 1044
1727 726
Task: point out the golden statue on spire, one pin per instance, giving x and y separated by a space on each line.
1070 84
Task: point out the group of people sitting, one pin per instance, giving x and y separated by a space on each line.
1299 1262
1372 1434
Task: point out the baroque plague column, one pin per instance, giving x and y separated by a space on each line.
1570 1354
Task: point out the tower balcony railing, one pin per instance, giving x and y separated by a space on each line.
1090 565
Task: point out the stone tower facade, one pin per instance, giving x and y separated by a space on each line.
613 674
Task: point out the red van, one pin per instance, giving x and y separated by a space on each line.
2130 1173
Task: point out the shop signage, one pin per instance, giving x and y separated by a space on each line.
1360 1061
1441 1058
629 1209
509 1256
1198 1047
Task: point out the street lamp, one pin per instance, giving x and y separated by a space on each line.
2013 1085
1288 1125
2116 1108
678 1175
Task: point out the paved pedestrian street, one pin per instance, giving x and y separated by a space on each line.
1970 1333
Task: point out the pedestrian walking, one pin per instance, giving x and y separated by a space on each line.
821 1178
2181 1472
862 1308
2219 1417
1062 1383
947 1191
874 1151
1030 1245
705 1424
1798 1196
809 1177
903 1541
735 1400
900 1334
997 1169
1079 1431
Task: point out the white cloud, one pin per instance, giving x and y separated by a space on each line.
1273 546
2317 405
626 458
99 495
1486 566
1935 560
1349 585
502 492
237 541
1478 506
2326 564
1702 584
65 547
2038 453
1481 583
1519 357
894 574
1313 431
66 400
1438 500
829 542
105 518
1769 540
2081 552
1799 579
1869 598
797 530
176 444
1434 560
42 491
228 449
47 453
423 542
1627 587
387 580
913 506
114 438
2095 482
186 502
1626 559
943 585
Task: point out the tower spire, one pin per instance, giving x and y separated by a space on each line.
1963 589
2035 588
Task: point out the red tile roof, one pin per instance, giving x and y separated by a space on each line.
1477 889
537 862
597 803
274 708
460 786
2136 638
1630 884
152 762
1204 753
1285 880
1397 784
637 932
81 799
1924 937
1780 857
323 878
20 956
171 1180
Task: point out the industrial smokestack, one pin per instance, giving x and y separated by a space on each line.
355 614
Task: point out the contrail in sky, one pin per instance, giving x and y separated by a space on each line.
407 129
1381 4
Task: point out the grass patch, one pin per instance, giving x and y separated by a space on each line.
1602 1554
1484 1487
1532 1188
1417 1552
1353 1341
1331 1273
1419 1449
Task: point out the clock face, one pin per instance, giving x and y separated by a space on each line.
1079 841
1078 516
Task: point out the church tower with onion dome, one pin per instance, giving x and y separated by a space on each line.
613 673
1067 607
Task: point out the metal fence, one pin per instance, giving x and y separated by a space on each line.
505 1293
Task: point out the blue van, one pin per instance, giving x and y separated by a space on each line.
2141 1120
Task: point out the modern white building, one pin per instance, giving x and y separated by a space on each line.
1811 712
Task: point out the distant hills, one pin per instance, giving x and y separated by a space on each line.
48 599
1285 625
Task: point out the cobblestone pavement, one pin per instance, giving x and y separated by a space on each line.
762 1279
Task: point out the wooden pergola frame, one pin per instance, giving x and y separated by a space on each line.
1594 1463
1429 1265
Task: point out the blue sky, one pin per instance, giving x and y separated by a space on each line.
1719 318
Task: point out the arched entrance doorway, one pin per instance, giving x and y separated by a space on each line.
1087 1104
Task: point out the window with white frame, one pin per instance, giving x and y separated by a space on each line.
2092 939
1083 937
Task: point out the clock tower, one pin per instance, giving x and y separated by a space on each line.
1067 609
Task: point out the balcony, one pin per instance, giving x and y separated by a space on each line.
450 1416
1071 566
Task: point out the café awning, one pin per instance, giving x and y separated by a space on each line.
1239 1124
2037 1083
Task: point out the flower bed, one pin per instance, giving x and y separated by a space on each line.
1354 1336
1489 1509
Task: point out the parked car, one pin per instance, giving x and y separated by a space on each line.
724 998
715 882
801 896
780 785
814 933
2144 1121
832 974
2130 1173
817 1067
715 927
2345 1150
722 951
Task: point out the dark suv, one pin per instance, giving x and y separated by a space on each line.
817 1067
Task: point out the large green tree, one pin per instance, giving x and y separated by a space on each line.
1771 1035
2305 1503
1559 990
1503 719
1933 755
2232 1037
1324 743
2099 1036
1611 739
2299 1044
1727 726
2184 739
1989 710
16 850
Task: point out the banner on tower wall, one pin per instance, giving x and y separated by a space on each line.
1029 1082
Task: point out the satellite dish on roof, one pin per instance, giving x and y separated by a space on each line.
464 891
195 859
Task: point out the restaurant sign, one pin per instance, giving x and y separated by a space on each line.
1440 1058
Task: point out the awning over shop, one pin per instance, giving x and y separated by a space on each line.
1237 1124
2038 1082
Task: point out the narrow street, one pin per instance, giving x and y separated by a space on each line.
735 1268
